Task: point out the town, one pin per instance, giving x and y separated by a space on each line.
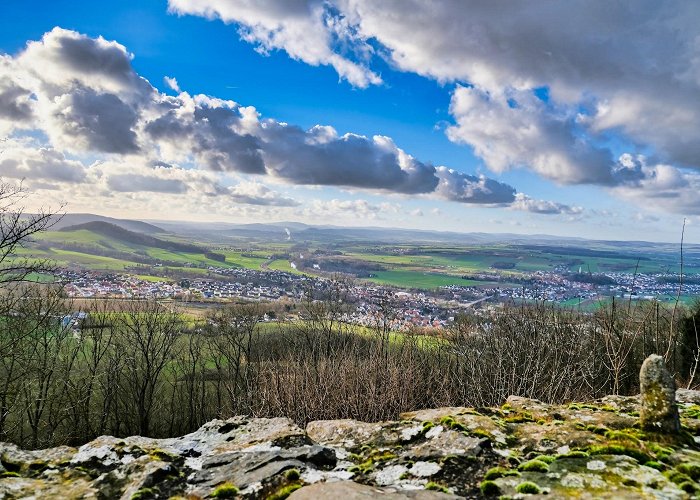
410 308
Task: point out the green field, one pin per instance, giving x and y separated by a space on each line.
417 279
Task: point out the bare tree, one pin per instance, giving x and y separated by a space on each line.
16 229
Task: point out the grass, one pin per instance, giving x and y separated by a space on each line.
418 279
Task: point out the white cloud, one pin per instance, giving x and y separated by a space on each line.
527 204
630 70
312 32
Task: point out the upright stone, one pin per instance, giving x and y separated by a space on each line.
659 412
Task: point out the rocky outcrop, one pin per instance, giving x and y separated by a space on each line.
658 392
523 448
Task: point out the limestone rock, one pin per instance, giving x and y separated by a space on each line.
658 412
347 490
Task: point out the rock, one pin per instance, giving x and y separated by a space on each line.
348 490
658 412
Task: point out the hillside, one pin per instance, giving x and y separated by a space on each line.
118 233
137 226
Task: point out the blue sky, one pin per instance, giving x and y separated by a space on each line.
450 86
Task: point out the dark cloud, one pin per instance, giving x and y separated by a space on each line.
15 102
463 188
352 161
103 122
209 133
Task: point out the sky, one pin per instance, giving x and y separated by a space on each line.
571 118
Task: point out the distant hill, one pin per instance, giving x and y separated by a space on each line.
119 233
137 226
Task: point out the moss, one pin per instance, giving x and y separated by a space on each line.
225 490
520 418
574 454
382 455
354 457
590 406
427 425
164 456
661 452
655 465
284 492
631 483
598 429
692 411
145 493
292 475
450 423
534 466
689 487
620 449
625 435
528 488
480 433
7 473
432 486
548 459
677 477
691 469
364 468
496 472
489 488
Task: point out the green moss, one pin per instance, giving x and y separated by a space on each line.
692 411
574 454
528 488
7 473
590 406
364 468
145 493
598 429
450 423
284 492
655 465
690 469
496 472
661 452
432 486
520 418
163 455
620 449
225 490
689 487
427 425
548 459
625 435
381 455
489 488
479 433
677 477
534 466
292 475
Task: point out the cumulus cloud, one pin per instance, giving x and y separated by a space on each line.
527 204
515 130
129 183
84 95
314 32
253 193
46 164
543 85
463 188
